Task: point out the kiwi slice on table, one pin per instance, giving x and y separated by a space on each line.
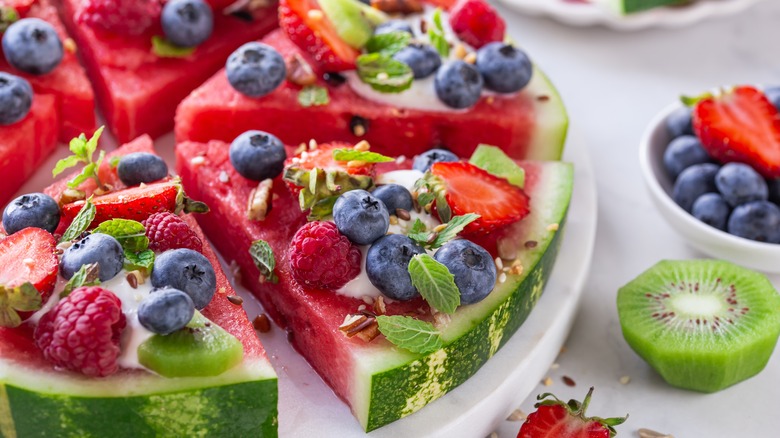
701 324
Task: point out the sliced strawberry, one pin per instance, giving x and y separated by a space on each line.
322 158
20 6
29 256
470 189
136 203
309 28
556 419
476 22
741 125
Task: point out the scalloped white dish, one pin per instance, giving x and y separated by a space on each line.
590 14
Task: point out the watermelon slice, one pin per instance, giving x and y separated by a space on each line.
530 125
137 90
35 397
380 383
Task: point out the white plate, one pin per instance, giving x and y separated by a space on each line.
307 406
587 14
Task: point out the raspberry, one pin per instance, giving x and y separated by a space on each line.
126 17
166 230
476 23
323 258
82 332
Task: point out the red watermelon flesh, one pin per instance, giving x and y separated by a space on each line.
18 344
138 91
215 111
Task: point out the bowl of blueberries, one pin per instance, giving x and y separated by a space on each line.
712 168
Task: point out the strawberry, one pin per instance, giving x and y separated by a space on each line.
476 22
136 203
469 189
308 27
28 256
556 419
740 125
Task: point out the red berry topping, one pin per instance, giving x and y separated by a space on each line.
556 419
126 17
166 230
82 332
28 256
135 203
741 126
476 22
323 258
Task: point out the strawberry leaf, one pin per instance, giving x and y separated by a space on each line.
23 298
365 156
435 283
410 333
87 275
263 256
130 234
81 222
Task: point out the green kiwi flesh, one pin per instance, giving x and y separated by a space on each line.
702 325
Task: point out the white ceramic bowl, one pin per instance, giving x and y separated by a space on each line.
710 240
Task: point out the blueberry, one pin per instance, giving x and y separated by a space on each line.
473 268
31 210
394 196
393 26
188 271
257 155
458 84
255 69
387 266
187 23
16 97
361 217
694 182
95 248
165 311
679 122
32 45
759 220
141 167
712 209
684 152
773 94
505 68
423 59
425 160
739 184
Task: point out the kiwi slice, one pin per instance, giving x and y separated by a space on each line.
493 160
353 20
701 324
201 348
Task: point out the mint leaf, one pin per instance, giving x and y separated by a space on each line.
383 73
165 49
495 162
313 95
83 151
436 35
454 226
435 283
365 156
130 234
388 43
141 261
418 232
410 333
23 298
81 222
65 163
87 275
263 256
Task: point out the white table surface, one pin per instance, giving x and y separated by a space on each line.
613 83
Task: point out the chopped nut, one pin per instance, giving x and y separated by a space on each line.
260 201
363 326
400 159
30 263
439 228
568 381
431 237
361 307
224 177
313 144
648 433
359 127
516 415
393 219
460 51
197 161
506 249
69 45
471 58
370 332
624 380
499 264
315 14
548 381
441 319
552 227
102 190
299 150
531 244
222 290
71 195
502 278
379 306
261 323
362 146
235 299
403 214
517 268
554 366
299 72
543 98
398 6
139 277
368 300
132 281
355 163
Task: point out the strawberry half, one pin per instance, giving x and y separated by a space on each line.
476 22
136 203
469 189
556 419
742 126
309 28
28 256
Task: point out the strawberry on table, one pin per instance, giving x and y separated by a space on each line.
740 125
556 419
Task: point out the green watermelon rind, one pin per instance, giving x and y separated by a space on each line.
36 402
398 383
625 7
552 121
